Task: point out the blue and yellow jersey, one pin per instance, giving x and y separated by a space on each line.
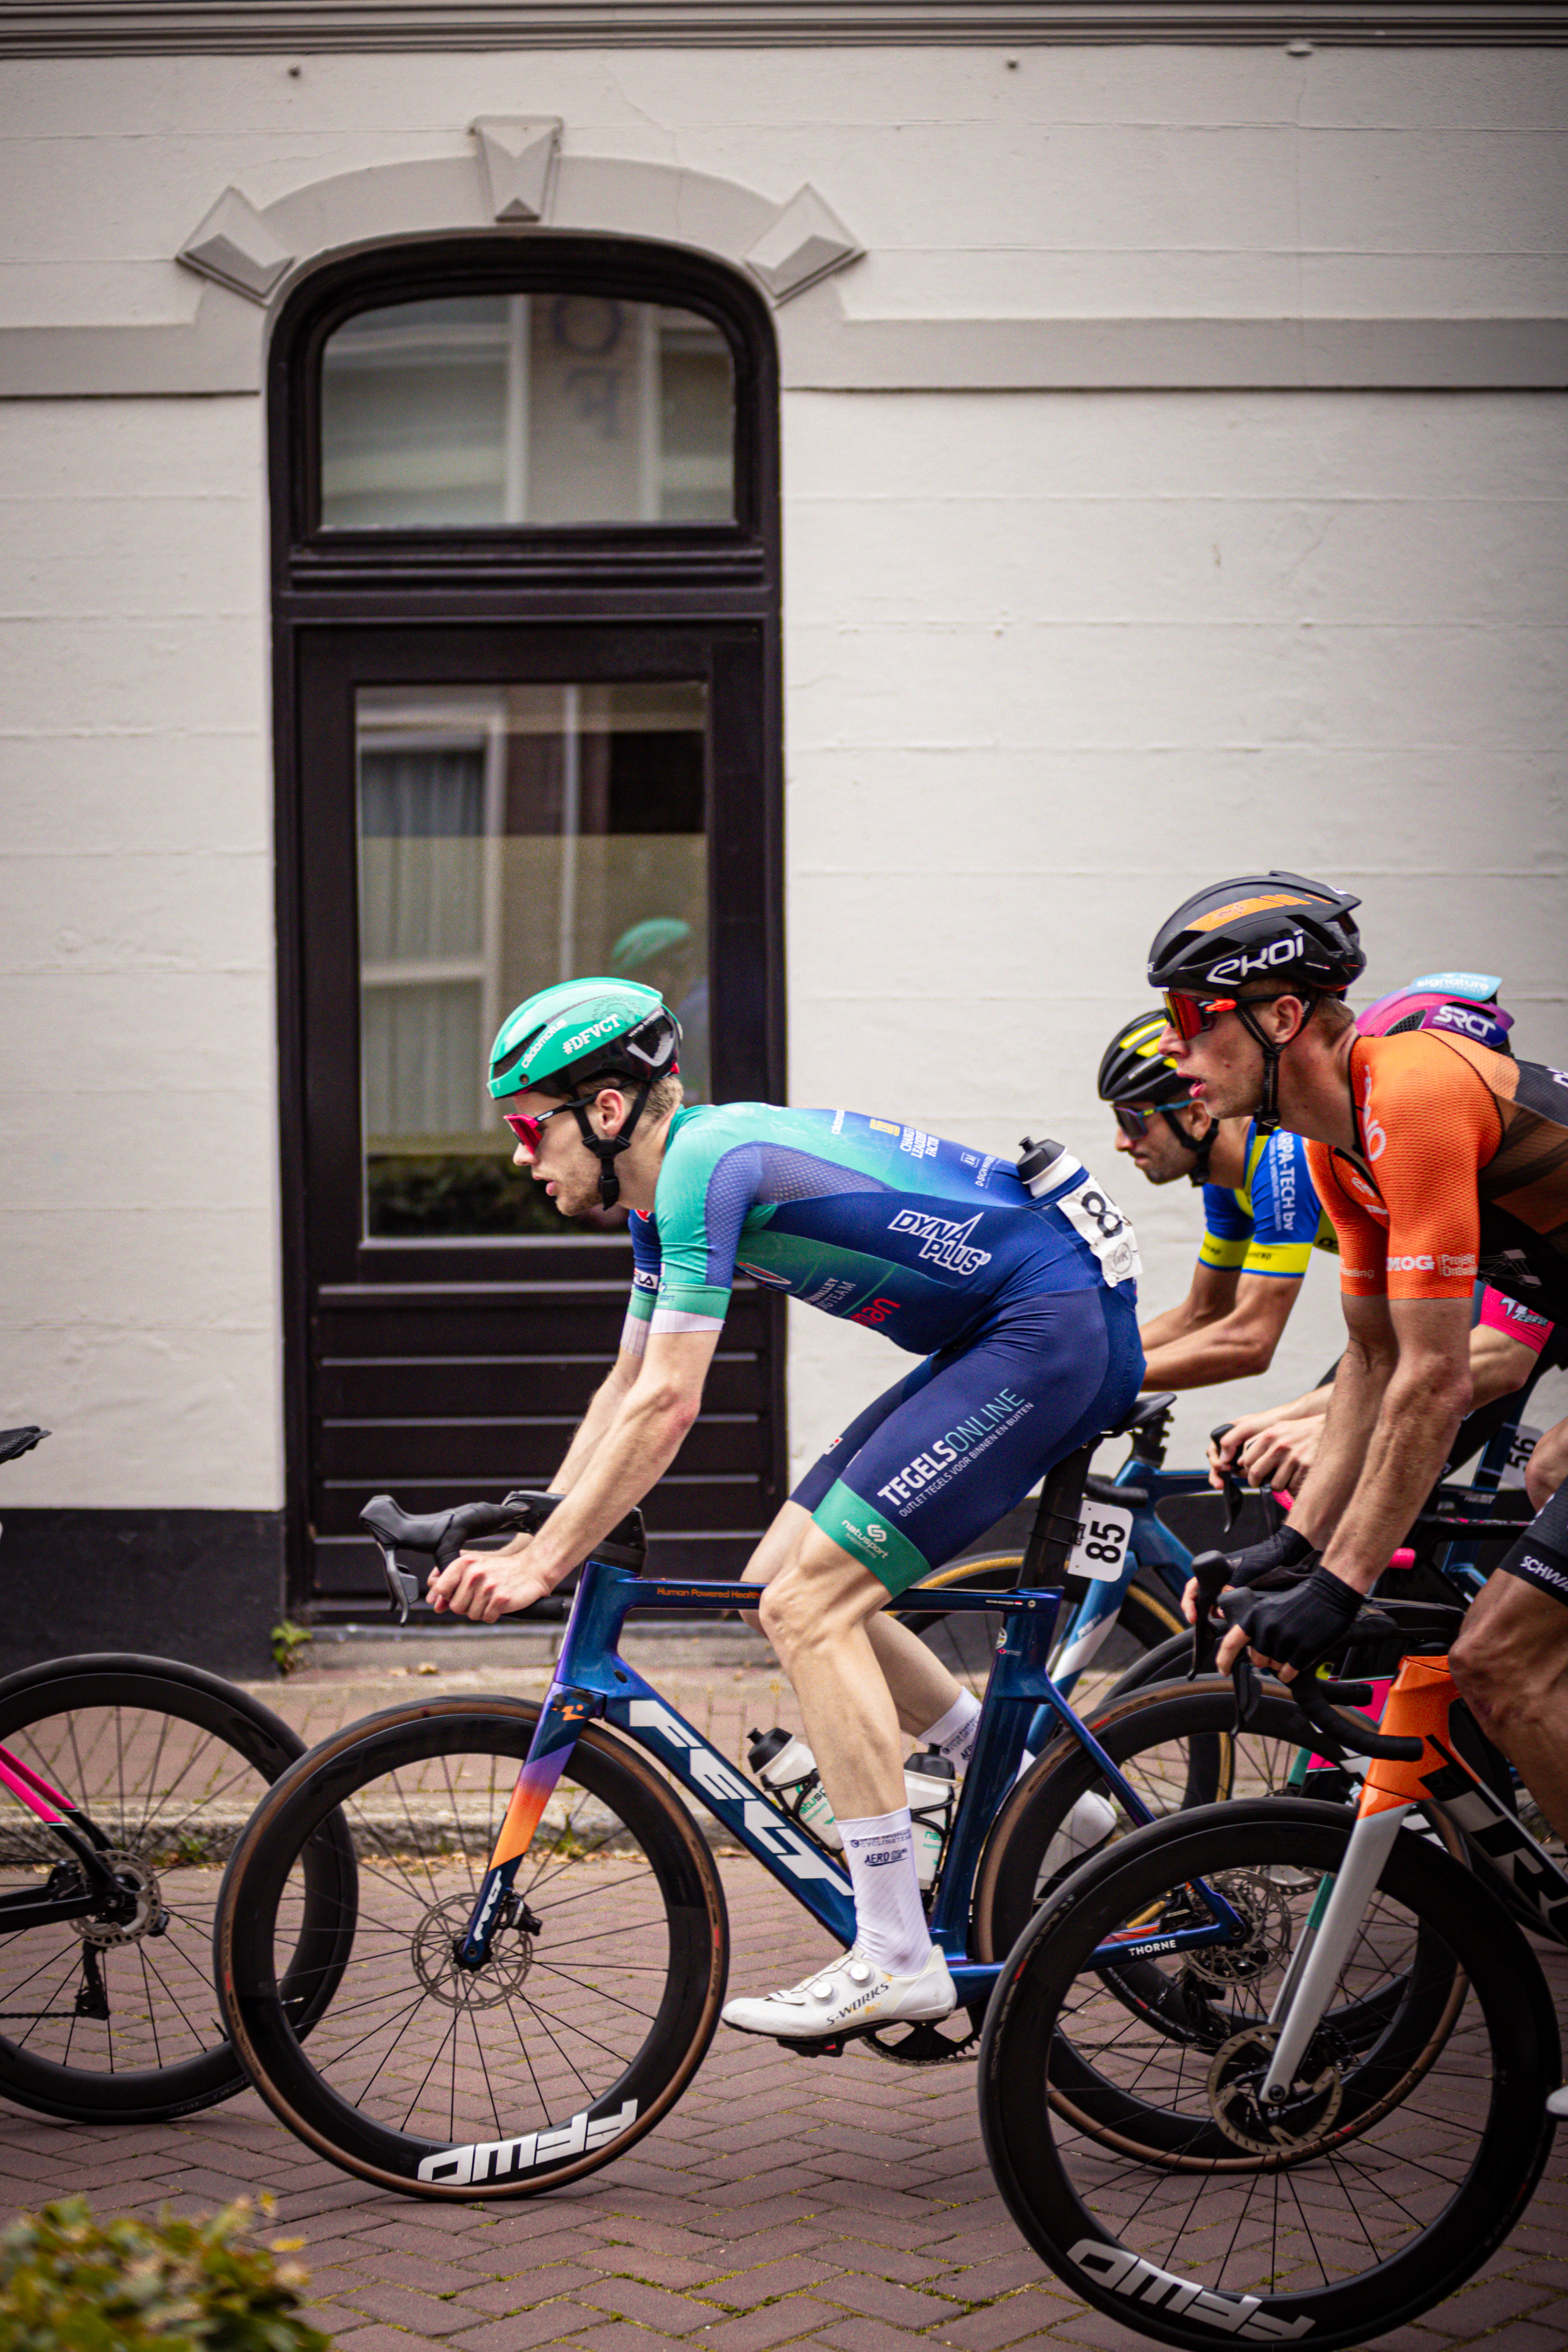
869 1220
1273 1220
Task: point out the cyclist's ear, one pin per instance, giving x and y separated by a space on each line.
608 1109
1282 1017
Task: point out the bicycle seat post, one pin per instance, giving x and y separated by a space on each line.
1057 1520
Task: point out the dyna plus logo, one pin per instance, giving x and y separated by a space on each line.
735 1799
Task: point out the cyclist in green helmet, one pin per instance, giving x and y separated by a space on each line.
1017 1299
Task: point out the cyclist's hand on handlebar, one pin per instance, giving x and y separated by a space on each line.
1282 1453
485 1585
1225 1444
1283 1558
1289 1630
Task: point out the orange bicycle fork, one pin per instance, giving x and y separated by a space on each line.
1418 1708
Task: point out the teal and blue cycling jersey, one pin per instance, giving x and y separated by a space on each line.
871 1220
1273 1220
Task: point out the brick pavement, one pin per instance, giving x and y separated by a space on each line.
842 2205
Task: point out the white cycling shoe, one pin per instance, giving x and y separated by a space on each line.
1557 2103
850 1993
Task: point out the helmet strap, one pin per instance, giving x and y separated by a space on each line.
1266 1115
1200 1146
607 1148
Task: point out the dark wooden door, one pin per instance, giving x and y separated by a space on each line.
475 807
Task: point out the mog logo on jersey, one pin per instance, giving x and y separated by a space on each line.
943 1240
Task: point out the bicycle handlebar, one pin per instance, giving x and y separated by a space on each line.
445 1534
1234 1491
1314 1699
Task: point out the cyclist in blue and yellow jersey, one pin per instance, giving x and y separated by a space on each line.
1021 1303
1261 1215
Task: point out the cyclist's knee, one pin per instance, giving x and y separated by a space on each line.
1503 1678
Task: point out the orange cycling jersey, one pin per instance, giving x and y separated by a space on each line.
1460 1170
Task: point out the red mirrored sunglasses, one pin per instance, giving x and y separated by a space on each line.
528 1130
1189 1016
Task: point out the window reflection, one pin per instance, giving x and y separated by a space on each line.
483 410
512 837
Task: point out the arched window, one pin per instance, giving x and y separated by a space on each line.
526 607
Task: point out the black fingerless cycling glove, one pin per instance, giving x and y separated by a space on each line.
1298 1627
1277 1562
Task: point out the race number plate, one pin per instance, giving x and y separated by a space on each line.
1101 1549
1092 1213
1524 1444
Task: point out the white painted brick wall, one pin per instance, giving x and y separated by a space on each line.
1051 660
138 1086
1055 661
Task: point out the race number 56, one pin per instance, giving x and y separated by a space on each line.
1101 1547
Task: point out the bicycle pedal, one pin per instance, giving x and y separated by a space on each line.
825 2045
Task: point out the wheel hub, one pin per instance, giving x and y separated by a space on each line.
1264 1910
142 1911
440 1937
1288 2126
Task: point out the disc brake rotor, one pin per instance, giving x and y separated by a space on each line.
149 1918
1264 1908
1293 2126
436 1940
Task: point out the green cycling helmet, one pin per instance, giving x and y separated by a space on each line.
585 1029
1134 1069
562 1040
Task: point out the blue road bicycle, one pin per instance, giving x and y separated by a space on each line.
532 1963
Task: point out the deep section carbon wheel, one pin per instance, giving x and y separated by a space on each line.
108 2015
1393 2168
597 1999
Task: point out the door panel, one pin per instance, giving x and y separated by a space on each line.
484 810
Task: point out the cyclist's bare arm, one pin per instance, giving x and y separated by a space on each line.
1548 1465
1278 1448
602 1408
1235 1346
1209 1300
1401 1389
637 1446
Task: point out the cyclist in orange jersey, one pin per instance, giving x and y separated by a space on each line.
1438 1159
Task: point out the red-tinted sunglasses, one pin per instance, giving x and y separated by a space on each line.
1189 1016
528 1130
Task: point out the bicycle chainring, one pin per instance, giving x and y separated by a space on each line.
929 2044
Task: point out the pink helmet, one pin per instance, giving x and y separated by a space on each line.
1463 1003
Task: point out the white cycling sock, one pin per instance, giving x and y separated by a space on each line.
890 1918
954 1733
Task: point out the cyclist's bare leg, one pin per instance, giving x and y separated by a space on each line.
816 1613
1511 1663
921 1686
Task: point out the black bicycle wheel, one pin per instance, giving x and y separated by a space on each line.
112 2019
1312 2226
1177 1745
602 1988
965 1638
1171 1744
